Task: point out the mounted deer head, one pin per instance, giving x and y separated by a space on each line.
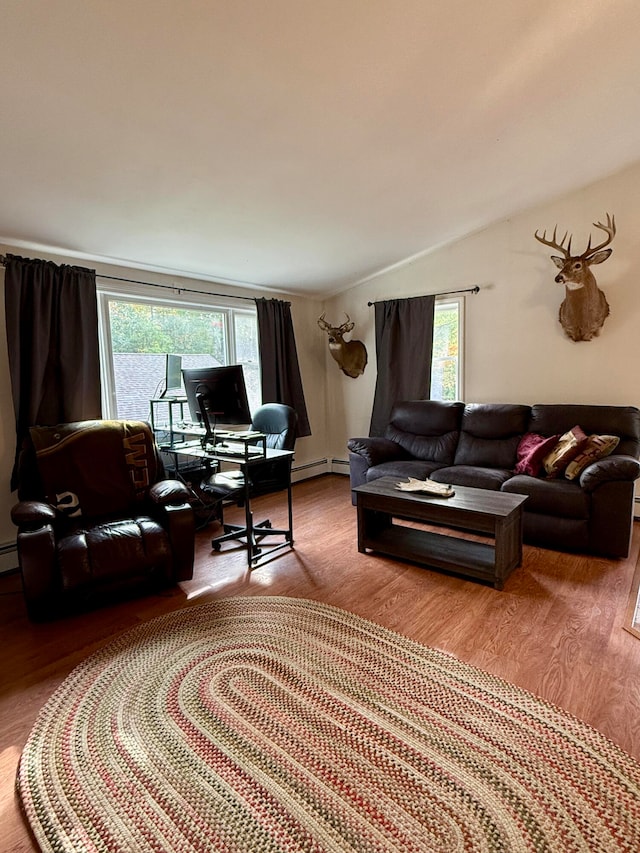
585 308
350 355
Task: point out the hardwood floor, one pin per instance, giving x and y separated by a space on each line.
555 629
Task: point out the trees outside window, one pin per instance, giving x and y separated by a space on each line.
446 364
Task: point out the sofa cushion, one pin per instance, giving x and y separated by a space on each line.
426 429
490 434
531 451
552 497
477 477
403 468
126 549
495 420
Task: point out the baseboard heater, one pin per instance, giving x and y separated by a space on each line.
8 557
308 470
340 466
318 467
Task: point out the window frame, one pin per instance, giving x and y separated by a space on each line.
443 302
229 307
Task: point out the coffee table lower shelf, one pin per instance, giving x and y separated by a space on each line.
437 550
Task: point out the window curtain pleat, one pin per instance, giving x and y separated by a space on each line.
52 337
281 380
404 346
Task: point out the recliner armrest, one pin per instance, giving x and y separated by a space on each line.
610 468
171 497
31 515
376 450
169 492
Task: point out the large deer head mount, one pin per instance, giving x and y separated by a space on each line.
585 307
350 355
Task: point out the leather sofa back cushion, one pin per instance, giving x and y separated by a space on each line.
487 452
426 429
496 420
491 434
623 421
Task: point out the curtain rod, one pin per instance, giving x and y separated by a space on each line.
180 289
177 287
3 263
475 289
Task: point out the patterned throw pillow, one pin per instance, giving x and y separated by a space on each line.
567 448
596 447
531 451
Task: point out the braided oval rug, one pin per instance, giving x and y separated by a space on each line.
280 724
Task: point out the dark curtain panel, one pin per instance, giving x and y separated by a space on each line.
281 380
52 336
404 343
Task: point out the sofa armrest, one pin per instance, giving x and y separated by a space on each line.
36 553
30 515
376 450
169 492
610 468
171 500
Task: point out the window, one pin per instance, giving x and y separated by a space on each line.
137 332
446 364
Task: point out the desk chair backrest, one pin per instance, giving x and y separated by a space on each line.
278 422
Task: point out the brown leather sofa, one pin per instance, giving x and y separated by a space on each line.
96 518
476 445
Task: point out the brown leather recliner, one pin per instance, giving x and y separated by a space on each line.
96 518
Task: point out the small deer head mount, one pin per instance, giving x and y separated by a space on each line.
585 308
350 355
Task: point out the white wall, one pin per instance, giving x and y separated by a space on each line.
516 350
310 452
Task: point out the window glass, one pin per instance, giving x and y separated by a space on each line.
246 349
446 360
137 334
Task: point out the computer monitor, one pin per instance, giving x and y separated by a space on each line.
173 376
221 391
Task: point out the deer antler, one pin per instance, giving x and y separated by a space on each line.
346 327
610 231
323 323
554 242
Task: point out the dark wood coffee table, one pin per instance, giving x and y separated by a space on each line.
494 514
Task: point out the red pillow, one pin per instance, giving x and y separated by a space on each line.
531 451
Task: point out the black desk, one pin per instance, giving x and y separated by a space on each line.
251 532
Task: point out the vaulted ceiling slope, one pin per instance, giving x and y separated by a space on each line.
302 145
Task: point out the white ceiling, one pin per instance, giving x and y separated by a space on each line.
302 145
